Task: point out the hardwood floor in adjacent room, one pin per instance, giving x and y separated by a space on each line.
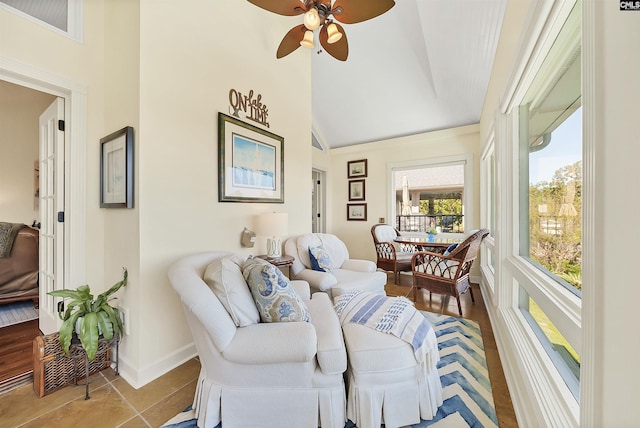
16 349
114 403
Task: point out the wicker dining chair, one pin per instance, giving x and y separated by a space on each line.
447 274
391 256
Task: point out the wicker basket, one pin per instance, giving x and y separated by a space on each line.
52 369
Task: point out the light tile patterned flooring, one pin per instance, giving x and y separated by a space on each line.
114 403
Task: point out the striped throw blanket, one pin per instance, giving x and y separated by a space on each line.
392 315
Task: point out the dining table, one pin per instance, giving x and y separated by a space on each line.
424 243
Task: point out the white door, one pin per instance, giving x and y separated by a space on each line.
51 213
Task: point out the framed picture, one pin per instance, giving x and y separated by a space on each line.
356 190
116 169
357 212
250 163
357 168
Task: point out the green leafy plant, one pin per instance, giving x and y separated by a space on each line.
93 317
432 231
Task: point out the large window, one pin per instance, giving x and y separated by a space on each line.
550 195
430 195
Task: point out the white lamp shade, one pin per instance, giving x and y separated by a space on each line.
272 224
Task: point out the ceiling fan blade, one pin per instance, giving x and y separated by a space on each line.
281 7
338 50
291 41
360 10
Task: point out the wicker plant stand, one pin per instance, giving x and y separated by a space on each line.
52 369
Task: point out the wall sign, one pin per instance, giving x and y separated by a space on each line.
251 108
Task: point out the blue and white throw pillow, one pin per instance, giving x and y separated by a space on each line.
320 259
449 249
275 298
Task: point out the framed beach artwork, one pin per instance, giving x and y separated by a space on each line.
250 163
116 169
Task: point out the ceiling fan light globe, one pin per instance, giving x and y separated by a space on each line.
312 19
333 34
307 41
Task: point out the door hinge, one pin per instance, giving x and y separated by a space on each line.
318 182
60 216
61 125
61 306
318 215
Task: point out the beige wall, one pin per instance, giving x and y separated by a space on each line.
381 154
185 78
20 109
166 70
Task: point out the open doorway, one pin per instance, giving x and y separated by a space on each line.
21 205
75 114
33 201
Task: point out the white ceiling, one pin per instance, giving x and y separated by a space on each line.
422 66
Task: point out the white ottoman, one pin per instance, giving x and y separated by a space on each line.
386 384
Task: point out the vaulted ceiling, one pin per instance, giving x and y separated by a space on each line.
422 66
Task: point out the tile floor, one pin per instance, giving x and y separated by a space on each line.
114 403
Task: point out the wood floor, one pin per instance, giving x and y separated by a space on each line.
16 349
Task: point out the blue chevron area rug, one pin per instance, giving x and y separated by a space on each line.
466 389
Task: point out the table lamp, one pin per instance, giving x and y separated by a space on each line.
274 225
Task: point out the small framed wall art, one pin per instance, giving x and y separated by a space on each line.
356 190
357 212
357 168
116 169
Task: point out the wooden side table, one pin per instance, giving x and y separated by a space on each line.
282 261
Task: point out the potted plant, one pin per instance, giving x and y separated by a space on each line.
89 318
432 233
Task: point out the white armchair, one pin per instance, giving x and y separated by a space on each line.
261 374
344 274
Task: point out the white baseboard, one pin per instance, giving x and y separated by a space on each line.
138 378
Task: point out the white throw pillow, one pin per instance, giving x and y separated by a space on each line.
224 277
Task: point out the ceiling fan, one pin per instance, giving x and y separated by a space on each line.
322 14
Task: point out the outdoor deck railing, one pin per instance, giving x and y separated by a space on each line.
421 223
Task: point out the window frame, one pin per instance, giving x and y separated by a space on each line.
74 19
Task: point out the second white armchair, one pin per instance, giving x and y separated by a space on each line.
323 261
